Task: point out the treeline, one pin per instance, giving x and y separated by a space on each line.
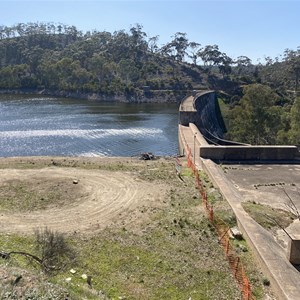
60 57
130 64
263 117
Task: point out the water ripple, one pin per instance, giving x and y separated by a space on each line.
69 127
83 133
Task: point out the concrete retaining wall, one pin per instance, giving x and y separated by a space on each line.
240 153
186 117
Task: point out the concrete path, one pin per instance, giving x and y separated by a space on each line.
187 104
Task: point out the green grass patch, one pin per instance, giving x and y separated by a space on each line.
268 217
37 194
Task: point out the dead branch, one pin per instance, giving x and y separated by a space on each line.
37 259
278 224
292 206
54 252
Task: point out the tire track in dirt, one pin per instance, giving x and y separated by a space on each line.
108 197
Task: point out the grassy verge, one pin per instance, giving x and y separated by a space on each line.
224 216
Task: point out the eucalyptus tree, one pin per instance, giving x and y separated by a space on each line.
138 43
176 48
193 49
292 58
152 44
224 64
20 28
180 43
210 55
128 71
294 133
256 119
242 64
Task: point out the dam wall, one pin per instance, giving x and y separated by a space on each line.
209 122
254 153
202 111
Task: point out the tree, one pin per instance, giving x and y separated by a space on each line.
242 62
210 55
177 47
180 43
256 120
97 64
138 44
137 35
294 133
194 48
292 58
128 71
152 44
225 64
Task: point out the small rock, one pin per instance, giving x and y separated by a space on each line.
84 276
243 248
236 233
75 181
68 279
17 280
72 271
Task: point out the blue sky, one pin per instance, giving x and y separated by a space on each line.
254 28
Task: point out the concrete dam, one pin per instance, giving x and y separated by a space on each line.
201 114
260 174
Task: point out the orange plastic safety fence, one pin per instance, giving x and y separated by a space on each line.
222 229
234 260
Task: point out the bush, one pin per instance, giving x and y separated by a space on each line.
266 282
53 250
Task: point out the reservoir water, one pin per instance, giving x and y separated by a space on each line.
45 126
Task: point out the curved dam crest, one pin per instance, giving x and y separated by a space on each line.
207 132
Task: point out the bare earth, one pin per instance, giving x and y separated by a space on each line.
100 198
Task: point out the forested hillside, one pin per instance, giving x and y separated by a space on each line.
259 100
61 58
